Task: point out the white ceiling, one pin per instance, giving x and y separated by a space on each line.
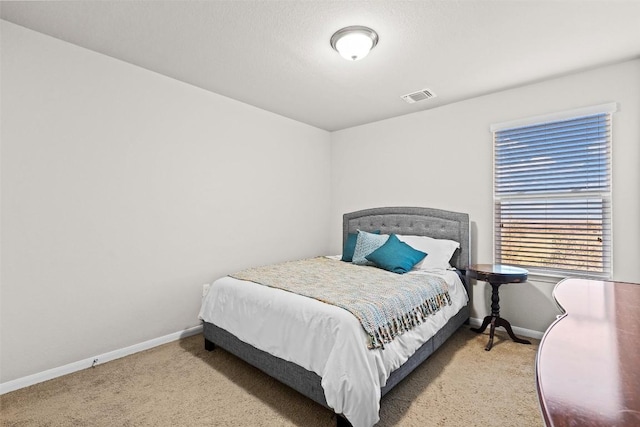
276 54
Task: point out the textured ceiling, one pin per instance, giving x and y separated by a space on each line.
276 54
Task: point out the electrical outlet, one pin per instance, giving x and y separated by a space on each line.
205 289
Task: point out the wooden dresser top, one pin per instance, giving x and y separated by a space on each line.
588 363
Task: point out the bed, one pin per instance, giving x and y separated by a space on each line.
355 403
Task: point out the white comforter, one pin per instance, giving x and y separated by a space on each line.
322 338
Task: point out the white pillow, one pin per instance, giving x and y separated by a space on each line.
439 251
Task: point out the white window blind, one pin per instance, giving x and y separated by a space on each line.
552 193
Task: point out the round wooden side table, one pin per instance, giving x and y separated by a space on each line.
496 275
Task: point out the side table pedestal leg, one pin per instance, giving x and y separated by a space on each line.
484 325
505 324
491 333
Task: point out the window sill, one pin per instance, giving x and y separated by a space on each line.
550 277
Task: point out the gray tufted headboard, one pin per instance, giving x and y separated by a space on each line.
436 223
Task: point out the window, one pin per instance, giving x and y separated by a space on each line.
552 193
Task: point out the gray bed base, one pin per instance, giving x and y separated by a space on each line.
434 223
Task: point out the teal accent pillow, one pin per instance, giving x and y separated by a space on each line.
365 244
396 256
350 246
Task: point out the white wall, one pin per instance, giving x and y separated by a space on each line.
123 191
442 158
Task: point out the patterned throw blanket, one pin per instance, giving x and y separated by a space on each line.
386 304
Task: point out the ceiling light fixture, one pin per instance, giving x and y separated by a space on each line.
354 42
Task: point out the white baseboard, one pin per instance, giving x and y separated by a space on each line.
96 360
516 330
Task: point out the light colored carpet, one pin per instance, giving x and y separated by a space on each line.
181 384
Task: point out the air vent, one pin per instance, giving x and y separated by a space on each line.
421 95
